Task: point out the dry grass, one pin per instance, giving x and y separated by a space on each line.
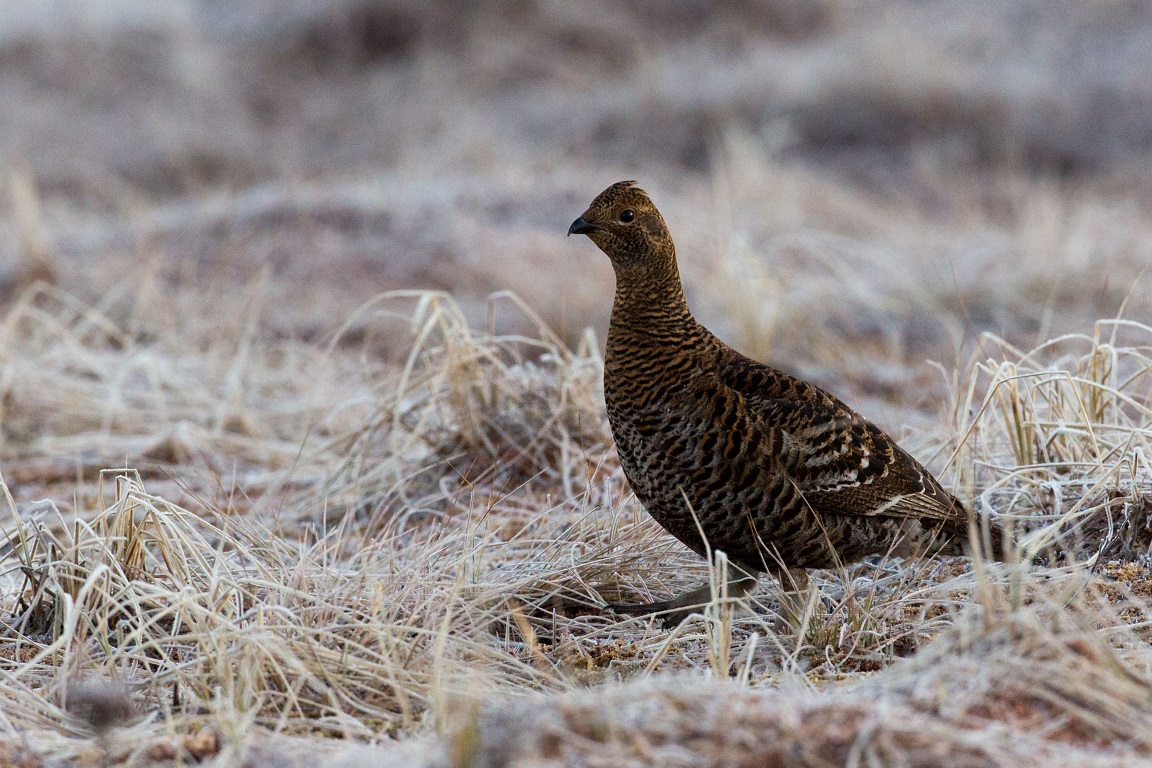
447 553
290 474
1056 437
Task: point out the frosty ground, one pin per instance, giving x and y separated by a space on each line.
301 432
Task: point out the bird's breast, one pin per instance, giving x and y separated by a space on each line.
682 440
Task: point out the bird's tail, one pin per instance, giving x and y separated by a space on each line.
989 539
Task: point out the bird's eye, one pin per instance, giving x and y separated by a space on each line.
627 215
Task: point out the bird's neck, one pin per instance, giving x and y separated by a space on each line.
653 298
649 314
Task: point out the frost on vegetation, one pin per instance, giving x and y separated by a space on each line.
475 412
1056 440
460 548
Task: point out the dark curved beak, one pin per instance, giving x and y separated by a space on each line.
581 227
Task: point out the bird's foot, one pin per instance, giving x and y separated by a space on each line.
674 611
670 617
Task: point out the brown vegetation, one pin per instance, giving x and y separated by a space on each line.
277 464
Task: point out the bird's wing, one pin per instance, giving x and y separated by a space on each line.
841 462
844 464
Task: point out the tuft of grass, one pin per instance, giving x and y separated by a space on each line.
1055 438
475 412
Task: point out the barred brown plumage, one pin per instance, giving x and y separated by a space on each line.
774 471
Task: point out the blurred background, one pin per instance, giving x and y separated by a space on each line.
855 186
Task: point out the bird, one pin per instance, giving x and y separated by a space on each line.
727 453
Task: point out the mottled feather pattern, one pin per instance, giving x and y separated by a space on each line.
775 471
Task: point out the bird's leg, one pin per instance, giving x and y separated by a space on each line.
794 591
793 580
678 608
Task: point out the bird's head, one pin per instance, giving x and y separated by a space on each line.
624 223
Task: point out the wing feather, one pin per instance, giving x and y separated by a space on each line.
841 462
